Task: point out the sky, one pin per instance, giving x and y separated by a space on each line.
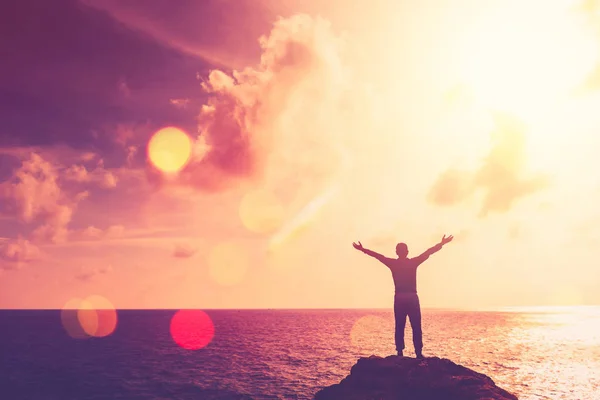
309 126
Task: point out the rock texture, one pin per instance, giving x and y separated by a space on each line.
403 378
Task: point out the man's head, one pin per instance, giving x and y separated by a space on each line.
402 250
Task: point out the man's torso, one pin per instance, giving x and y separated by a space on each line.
404 273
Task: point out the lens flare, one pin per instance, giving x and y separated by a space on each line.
228 263
93 316
169 149
106 315
88 318
70 319
192 329
302 219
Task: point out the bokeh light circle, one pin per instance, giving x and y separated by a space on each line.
228 263
169 149
105 314
69 316
93 316
261 211
88 318
192 329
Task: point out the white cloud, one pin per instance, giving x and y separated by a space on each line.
501 175
99 175
36 197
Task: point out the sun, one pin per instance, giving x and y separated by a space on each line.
524 57
169 149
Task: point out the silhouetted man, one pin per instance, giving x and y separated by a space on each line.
406 300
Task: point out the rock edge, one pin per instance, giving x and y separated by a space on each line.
396 377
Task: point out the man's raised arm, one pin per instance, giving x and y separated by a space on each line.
380 257
425 255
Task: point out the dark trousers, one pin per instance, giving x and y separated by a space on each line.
407 304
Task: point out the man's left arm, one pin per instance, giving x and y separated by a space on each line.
434 249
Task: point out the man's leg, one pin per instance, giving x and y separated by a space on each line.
400 313
414 314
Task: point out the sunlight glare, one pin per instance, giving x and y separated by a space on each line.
169 149
524 58
566 296
563 324
302 219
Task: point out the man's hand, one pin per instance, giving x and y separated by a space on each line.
446 239
358 246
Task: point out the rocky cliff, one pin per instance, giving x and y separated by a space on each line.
395 378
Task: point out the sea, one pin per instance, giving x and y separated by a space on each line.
538 353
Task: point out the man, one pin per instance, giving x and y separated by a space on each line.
406 300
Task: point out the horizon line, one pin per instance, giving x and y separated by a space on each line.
462 309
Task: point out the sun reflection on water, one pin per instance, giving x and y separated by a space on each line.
564 324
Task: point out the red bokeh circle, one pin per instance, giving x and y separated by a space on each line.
192 329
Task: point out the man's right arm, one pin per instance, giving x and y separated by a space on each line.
374 254
371 253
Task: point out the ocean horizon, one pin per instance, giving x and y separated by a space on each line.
539 308
290 353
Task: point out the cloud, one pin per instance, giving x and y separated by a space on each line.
131 153
590 11
452 187
38 194
100 176
184 251
94 233
500 176
35 196
87 274
123 134
54 228
126 139
17 252
276 121
182 103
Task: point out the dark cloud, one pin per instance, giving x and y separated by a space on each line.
501 175
87 274
184 251
73 77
